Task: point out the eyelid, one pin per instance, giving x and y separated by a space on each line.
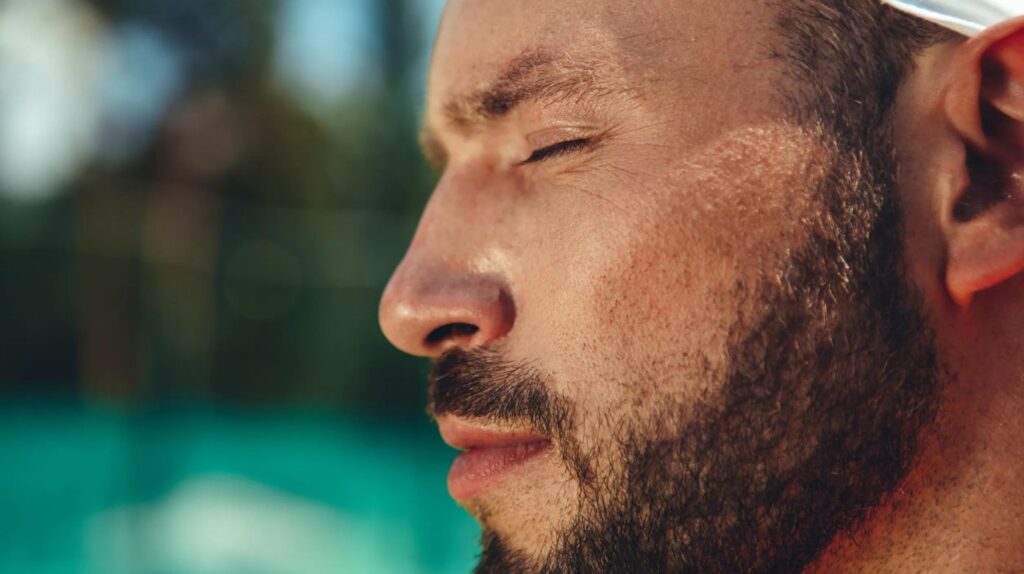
559 149
550 137
552 143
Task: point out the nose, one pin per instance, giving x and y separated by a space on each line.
452 288
425 312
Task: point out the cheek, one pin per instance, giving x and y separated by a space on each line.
651 291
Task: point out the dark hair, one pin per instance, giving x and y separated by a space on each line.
847 59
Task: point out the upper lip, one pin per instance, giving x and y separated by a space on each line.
463 435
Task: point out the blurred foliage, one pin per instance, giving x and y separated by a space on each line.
236 253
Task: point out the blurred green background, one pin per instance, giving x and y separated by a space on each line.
200 203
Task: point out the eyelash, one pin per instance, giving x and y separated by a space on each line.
559 149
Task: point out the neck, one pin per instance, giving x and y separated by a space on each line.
960 509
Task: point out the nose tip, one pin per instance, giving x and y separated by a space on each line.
428 315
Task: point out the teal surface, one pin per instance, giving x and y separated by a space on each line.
203 492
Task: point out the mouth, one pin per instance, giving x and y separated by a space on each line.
489 456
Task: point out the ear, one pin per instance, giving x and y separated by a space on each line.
984 102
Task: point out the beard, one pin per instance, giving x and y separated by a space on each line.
815 418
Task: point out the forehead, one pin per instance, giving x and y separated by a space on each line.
662 41
479 36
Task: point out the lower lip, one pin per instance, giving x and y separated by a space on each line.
480 469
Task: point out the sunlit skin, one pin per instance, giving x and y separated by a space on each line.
613 264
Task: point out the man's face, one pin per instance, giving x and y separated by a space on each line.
683 306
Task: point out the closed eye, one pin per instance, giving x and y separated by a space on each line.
559 149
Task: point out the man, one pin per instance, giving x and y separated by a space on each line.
725 286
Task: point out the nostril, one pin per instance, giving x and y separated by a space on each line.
451 331
426 312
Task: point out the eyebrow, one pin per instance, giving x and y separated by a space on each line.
533 76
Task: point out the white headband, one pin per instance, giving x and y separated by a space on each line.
968 17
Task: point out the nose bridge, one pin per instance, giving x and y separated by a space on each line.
441 295
447 223
461 220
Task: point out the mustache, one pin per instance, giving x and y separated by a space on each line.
483 384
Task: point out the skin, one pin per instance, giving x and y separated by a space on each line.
623 262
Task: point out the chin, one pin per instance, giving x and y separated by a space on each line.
527 514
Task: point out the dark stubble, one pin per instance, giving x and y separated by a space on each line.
815 420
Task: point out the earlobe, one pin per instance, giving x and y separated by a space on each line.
986 251
985 105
